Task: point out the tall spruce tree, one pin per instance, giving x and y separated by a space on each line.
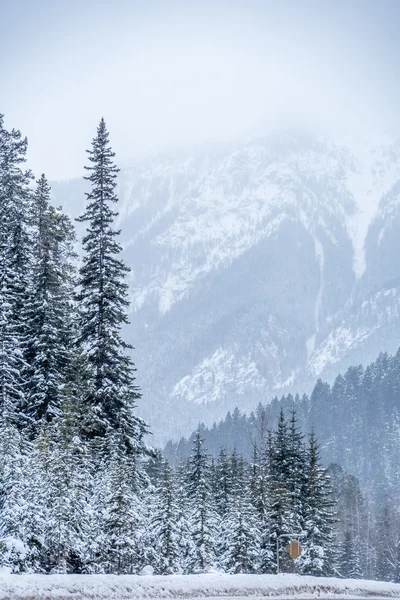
279 493
348 563
103 302
222 482
14 269
65 463
13 497
388 543
318 556
123 514
203 518
296 481
261 489
166 527
50 312
239 539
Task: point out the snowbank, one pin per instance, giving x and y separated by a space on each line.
133 587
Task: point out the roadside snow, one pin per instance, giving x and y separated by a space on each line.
215 585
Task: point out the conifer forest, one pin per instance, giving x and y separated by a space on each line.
82 489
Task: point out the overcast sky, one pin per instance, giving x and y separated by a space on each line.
173 74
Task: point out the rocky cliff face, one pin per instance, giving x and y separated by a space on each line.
256 270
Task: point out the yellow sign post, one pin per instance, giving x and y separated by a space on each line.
294 549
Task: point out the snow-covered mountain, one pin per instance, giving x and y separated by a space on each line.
256 270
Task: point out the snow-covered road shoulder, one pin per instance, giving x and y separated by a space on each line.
132 587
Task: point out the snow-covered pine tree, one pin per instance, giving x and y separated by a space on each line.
354 518
348 563
66 463
13 497
203 518
260 493
50 317
14 278
165 526
96 541
296 481
54 384
22 506
257 481
147 554
184 507
14 268
103 301
239 539
388 543
37 502
279 493
155 467
318 554
122 510
285 460
222 482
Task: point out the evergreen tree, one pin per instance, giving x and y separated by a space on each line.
155 467
222 489
14 268
184 511
319 517
239 541
13 497
353 520
203 519
349 566
165 526
97 541
388 543
50 316
66 464
261 493
38 501
279 492
103 302
297 474
123 516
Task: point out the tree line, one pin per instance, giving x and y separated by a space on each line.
281 488
357 419
358 427
228 513
71 445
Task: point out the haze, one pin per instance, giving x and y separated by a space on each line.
172 75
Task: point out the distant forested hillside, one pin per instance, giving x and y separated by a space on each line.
357 419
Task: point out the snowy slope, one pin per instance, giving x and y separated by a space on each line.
131 587
255 270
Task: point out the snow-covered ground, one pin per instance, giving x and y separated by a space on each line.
133 587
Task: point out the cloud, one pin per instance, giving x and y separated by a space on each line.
167 78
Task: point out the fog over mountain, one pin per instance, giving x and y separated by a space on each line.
256 269
170 76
